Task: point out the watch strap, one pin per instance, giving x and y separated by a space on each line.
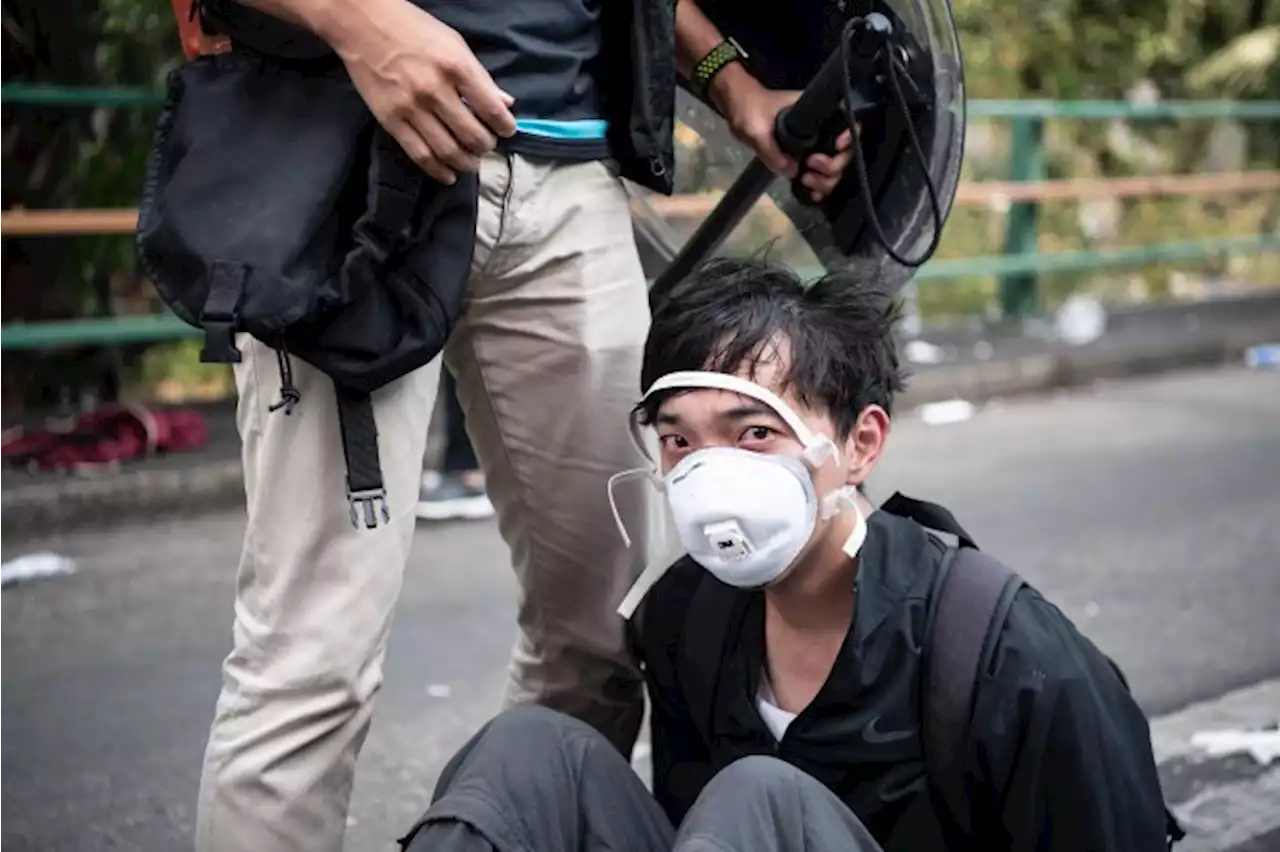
714 62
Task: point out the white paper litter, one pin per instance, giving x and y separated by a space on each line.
439 690
949 411
35 566
1265 357
1081 320
1263 745
922 352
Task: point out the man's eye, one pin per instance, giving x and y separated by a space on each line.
758 433
673 442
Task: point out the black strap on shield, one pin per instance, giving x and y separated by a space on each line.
888 59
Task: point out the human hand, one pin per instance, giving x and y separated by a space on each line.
752 111
423 84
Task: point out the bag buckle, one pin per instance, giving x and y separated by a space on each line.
366 504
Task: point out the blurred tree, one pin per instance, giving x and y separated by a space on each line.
1068 49
73 156
1071 49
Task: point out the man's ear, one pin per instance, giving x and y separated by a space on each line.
865 443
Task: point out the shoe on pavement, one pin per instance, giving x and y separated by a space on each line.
450 497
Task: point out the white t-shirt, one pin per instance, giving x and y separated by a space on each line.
774 717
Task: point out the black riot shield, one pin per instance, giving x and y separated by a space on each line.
893 68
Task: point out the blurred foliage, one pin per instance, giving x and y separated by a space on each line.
1064 49
137 46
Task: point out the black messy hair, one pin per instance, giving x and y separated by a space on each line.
732 314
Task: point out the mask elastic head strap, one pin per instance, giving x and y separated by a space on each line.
816 449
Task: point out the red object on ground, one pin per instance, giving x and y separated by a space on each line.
104 438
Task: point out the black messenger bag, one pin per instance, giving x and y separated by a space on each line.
276 206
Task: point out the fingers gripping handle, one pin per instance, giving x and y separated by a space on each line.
798 127
828 104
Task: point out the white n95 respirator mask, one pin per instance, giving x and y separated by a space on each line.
742 515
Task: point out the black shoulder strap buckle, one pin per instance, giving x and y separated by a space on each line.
366 493
220 316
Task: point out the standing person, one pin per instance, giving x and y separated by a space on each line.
457 489
542 97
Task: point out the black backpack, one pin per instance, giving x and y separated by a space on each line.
275 205
967 613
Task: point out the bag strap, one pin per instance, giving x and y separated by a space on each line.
365 491
395 199
929 515
972 600
220 316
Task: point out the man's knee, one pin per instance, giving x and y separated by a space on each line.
532 742
756 777
533 727
762 796
529 738
752 783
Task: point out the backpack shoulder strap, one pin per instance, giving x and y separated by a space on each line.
974 593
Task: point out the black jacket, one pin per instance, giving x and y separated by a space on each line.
1060 756
637 81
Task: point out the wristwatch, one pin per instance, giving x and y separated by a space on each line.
710 65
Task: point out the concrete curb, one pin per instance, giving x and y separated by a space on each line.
206 484
130 495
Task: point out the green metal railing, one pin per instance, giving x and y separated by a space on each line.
1018 287
1017 268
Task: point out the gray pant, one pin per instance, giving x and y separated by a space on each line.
534 780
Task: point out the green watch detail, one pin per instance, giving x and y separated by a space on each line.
710 65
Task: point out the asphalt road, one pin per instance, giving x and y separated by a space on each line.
1149 511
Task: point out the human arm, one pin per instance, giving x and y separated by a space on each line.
414 72
1064 752
750 107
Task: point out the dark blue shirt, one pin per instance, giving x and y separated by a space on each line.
544 54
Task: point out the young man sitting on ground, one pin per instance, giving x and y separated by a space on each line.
787 654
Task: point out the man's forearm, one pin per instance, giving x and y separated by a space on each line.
696 36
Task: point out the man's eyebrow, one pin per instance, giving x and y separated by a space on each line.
742 411
745 410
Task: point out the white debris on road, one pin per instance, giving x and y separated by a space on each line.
35 566
439 690
1264 357
923 352
1263 745
1081 320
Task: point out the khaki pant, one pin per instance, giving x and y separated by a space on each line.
547 358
